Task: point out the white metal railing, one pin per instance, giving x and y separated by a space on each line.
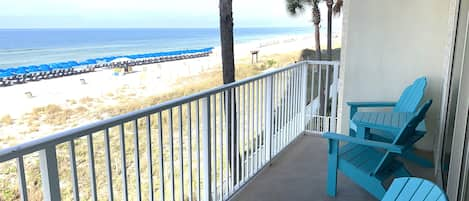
204 146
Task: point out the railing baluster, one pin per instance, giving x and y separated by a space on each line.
197 136
149 159
304 94
293 106
326 98
281 107
232 145
161 158
238 135
181 152
280 116
227 117
220 125
261 123
73 167
276 113
94 193
207 181
243 131
251 127
298 101
256 142
214 129
107 154
137 160
311 103
319 116
288 105
269 100
189 142
295 102
123 160
22 178
49 174
171 152
284 109
334 98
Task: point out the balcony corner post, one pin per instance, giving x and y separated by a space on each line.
49 174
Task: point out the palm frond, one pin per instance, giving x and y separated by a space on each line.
297 6
338 7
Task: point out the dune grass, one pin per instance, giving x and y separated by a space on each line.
6 120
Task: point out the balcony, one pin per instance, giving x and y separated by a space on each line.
255 139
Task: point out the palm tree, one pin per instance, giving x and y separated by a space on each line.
336 9
296 6
329 4
226 36
228 65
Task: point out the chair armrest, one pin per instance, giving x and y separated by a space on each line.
355 105
371 104
390 147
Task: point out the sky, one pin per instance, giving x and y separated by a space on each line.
143 14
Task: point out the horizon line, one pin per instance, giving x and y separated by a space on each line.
244 27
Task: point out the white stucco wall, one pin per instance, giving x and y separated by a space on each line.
387 45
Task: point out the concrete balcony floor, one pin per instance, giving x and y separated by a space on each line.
300 174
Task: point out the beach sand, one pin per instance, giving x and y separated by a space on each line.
102 88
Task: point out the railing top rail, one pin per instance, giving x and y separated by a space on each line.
70 134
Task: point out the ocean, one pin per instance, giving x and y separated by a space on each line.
23 47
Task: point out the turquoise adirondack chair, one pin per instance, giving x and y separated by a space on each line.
368 163
414 189
408 102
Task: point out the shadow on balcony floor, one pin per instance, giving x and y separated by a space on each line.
299 174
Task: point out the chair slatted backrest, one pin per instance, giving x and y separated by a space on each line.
411 96
404 135
409 130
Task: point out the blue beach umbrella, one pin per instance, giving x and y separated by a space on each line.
32 69
108 59
5 74
44 68
92 61
21 70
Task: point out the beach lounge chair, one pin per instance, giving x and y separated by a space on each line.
20 74
412 188
368 163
